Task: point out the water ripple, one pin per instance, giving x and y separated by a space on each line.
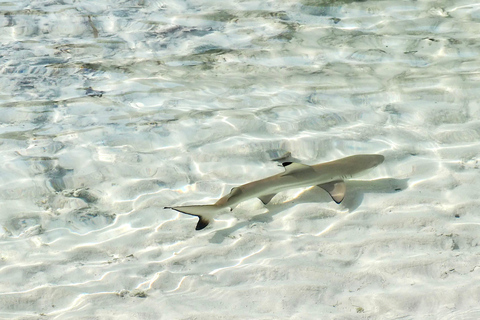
112 110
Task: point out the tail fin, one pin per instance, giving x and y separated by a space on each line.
205 213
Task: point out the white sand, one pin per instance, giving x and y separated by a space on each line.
191 98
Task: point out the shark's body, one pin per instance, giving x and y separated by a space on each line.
328 176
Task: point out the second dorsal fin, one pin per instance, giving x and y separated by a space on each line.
234 192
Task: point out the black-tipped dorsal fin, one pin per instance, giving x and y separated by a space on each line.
336 189
266 198
293 167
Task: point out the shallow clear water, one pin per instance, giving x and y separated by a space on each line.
111 110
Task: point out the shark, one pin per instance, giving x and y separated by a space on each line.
330 176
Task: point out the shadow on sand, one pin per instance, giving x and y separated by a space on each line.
356 190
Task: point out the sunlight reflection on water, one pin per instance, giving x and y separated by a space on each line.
112 110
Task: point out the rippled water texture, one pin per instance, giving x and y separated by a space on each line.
111 110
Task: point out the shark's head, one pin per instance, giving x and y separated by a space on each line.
376 159
353 165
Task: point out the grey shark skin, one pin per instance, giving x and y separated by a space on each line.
329 176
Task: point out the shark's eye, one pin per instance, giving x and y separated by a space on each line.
286 163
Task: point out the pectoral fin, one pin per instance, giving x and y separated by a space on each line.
336 189
266 198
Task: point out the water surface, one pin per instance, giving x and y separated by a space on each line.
111 110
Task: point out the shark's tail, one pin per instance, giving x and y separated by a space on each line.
205 213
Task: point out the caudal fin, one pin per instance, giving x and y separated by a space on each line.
205 213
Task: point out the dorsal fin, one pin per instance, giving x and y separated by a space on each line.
234 192
293 167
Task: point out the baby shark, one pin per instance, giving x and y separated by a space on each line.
329 176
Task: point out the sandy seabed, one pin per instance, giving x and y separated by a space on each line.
111 110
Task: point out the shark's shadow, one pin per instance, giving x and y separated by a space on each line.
356 190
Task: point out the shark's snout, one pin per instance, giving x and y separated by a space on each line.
378 159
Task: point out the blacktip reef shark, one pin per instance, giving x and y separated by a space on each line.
329 176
